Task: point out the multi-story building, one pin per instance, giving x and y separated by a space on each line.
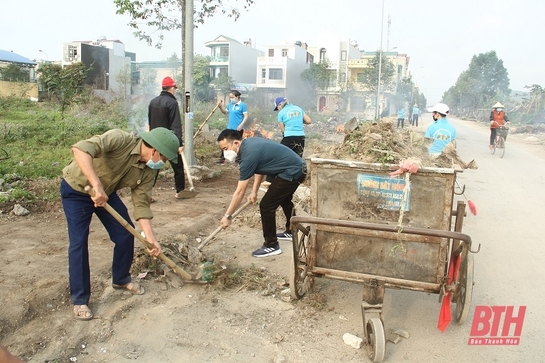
346 90
111 67
279 72
238 60
337 53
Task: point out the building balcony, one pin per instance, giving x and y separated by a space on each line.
219 59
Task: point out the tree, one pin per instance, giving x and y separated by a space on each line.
148 84
317 77
14 72
404 94
369 77
201 78
223 84
485 80
124 78
164 15
65 84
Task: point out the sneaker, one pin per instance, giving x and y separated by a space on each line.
284 236
265 251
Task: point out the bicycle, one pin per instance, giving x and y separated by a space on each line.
499 143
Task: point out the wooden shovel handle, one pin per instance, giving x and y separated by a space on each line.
205 121
189 178
133 231
209 238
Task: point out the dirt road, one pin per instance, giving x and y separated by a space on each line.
191 323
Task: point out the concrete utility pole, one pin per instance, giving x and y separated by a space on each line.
380 62
187 59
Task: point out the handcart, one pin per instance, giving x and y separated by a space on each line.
363 229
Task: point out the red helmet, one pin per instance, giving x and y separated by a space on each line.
169 82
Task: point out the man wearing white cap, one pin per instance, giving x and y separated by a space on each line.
441 131
498 118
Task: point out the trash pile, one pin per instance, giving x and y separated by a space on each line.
380 142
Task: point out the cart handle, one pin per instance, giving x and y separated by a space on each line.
386 228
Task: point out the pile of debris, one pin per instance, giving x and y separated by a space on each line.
380 142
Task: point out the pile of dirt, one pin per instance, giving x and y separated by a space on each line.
529 129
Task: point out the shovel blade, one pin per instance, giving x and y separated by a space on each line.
187 194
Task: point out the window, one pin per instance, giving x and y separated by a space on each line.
343 55
224 51
322 54
263 73
275 73
284 52
271 52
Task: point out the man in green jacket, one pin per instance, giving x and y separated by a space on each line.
107 163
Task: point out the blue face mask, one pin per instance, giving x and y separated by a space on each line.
155 165
499 109
233 100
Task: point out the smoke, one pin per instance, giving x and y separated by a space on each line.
138 115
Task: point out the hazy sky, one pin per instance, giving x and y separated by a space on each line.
439 36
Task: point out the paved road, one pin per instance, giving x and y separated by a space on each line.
510 196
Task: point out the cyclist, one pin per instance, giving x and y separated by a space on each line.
498 118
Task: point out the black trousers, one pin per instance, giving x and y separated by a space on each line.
400 121
280 193
415 120
296 143
179 175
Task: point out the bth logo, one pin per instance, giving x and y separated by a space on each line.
487 320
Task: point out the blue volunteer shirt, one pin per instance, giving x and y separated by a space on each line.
442 133
236 113
263 156
416 110
401 113
292 118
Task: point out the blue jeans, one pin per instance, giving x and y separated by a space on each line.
78 209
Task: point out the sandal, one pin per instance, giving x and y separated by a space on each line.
133 287
82 312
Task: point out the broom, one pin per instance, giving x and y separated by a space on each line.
470 203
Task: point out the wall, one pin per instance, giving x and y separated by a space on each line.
19 89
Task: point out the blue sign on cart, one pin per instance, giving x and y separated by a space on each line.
389 191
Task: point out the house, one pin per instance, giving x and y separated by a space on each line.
111 67
237 59
337 53
362 100
279 72
17 76
345 90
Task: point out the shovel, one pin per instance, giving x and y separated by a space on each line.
191 193
205 121
178 270
209 238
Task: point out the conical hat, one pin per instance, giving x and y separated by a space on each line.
497 105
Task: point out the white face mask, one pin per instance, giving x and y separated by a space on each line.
230 155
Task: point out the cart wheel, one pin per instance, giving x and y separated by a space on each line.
300 282
465 289
376 340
